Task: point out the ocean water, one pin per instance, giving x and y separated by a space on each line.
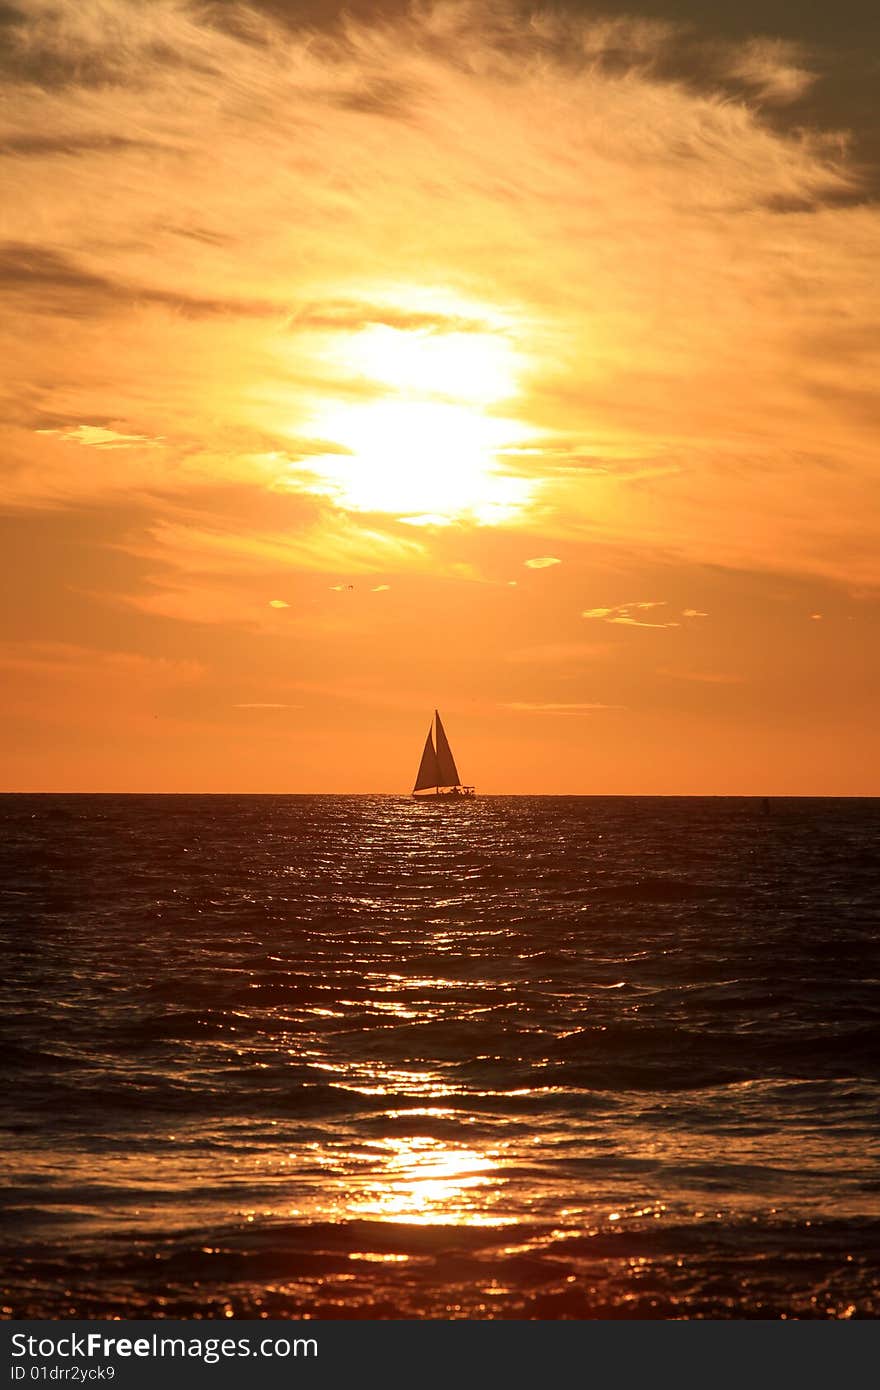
354 1057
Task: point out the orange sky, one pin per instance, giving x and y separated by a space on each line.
519 361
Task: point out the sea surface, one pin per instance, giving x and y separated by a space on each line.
355 1057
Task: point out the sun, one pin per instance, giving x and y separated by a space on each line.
479 368
419 459
425 435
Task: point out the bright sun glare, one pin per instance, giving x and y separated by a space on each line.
475 367
426 446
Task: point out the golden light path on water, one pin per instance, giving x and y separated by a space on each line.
415 1178
357 1059
425 1181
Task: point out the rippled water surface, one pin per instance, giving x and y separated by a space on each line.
360 1057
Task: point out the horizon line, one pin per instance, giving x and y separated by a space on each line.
408 796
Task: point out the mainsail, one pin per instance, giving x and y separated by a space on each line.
445 762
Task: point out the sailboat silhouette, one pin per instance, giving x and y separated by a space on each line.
437 775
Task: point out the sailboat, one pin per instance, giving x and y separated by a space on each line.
437 775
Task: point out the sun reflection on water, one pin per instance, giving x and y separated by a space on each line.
424 1181
368 1079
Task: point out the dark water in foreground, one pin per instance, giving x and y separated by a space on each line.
356 1057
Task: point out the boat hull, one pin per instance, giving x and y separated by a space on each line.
466 795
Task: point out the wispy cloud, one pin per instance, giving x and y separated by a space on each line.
559 653
557 707
324 542
702 677
98 437
71 658
622 614
230 147
47 281
299 297
625 620
774 68
263 704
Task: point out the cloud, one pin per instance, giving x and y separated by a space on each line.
48 281
204 566
96 436
352 315
381 588
551 707
323 542
773 68
562 653
41 145
263 704
693 613
202 216
76 664
703 677
640 604
625 620
543 562
622 614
